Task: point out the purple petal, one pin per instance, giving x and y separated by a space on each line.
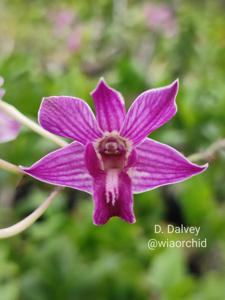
9 128
159 164
112 191
63 167
69 117
122 206
110 109
149 111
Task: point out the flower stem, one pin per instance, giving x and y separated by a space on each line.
210 153
17 115
7 166
29 220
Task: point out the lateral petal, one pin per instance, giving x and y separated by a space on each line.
69 117
159 164
63 167
149 111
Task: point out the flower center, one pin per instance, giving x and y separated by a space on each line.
112 146
113 151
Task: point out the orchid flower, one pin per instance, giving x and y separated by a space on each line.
112 157
9 128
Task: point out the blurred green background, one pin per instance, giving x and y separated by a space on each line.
62 48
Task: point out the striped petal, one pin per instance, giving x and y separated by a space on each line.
110 109
69 117
158 164
149 111
63 167
112 191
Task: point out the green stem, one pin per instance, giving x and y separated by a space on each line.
10 167
18 116
29 220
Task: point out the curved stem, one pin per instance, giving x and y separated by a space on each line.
17 115
210 153
7 166
29 220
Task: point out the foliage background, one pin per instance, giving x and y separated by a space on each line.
64 256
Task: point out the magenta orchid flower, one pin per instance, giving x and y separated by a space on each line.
9 128
112 157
